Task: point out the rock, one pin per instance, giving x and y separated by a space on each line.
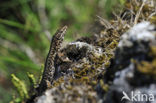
82 75
124 74
75 54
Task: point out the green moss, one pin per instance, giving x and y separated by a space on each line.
41 72
20 86
32 80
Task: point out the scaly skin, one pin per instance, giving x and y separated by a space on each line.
49 69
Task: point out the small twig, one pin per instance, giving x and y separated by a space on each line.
104 22
154 13
138 13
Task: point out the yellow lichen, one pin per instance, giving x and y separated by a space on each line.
148 67
105 87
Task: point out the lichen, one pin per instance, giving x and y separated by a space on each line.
149 67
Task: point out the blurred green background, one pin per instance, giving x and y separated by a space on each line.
26 27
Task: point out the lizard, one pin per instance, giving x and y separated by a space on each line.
49 68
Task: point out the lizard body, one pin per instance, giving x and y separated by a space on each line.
49 69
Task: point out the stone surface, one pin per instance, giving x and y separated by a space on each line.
123 75
134 48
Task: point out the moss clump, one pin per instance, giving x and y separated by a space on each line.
20 86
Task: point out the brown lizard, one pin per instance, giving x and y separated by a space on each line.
49 69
